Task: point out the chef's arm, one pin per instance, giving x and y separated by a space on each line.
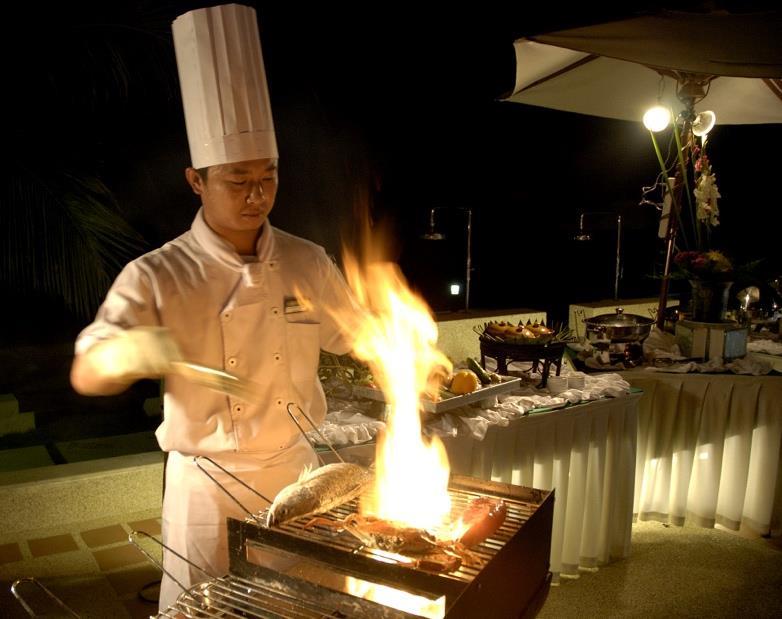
87 377
112 365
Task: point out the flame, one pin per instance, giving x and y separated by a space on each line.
396 335
396 598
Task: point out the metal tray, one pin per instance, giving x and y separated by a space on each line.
484 393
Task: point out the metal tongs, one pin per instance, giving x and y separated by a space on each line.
326 442
133 539
218 380
15 587
244 389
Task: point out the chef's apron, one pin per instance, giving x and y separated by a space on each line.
195 509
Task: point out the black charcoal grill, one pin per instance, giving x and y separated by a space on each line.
510 578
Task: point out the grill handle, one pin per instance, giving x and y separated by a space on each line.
15 590
132 539
314 427
197 459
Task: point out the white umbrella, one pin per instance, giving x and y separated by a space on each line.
619 69
730 64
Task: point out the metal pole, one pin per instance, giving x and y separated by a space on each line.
618 256
469 260
675 215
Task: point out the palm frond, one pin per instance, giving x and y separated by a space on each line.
62 235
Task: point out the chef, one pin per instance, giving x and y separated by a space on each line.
232 292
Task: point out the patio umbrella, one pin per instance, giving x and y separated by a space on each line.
621 68
730 64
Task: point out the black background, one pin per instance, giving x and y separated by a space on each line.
389 104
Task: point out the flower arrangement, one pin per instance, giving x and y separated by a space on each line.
706 193
703 213
693 196
710 265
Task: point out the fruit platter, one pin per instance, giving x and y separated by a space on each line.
529 334
465 386
536 342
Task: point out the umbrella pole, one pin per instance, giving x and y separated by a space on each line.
675 213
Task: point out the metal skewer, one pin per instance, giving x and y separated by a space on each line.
219 485
326 442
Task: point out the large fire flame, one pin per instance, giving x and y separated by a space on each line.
396 336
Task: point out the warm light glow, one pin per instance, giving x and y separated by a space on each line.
396 336
455 289
657 118
703 123
394 598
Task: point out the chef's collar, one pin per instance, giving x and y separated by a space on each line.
225 253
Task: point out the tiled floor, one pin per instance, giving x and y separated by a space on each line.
90 566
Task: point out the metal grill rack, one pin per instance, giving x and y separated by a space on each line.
512 569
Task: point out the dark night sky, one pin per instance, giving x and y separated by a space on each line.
391 102
399 104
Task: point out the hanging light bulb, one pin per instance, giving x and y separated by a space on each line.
703 123
657 118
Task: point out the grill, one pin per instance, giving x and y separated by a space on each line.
510 574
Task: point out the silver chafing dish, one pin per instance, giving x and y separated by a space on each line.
620 334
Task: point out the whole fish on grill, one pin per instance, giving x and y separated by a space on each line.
318 491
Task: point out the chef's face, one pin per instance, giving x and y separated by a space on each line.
237 197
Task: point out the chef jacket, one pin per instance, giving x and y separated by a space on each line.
265 320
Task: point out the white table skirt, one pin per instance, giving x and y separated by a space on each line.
709 450
587 454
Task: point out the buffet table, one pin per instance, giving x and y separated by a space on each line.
709 450
587 454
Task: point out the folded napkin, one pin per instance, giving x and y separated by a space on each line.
744 365
346 427
661 345
769 347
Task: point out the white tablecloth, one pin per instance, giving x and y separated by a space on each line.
587 454
709 449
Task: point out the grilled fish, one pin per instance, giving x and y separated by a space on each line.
319 491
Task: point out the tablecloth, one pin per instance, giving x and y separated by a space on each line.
587 454
709 450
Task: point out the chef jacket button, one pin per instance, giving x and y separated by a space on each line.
279 402
275 311
232 362
226 315
273 265
277 356
238 409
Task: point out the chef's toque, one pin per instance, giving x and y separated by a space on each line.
223 81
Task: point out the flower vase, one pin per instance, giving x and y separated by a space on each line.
709 300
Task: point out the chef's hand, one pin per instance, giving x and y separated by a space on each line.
140 352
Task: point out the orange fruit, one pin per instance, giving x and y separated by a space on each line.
464 381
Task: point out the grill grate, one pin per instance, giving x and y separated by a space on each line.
510 573
348 555
233 596
518 513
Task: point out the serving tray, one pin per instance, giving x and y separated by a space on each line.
487 392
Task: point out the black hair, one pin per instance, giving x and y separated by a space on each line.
203 173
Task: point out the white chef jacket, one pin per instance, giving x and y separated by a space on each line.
264 320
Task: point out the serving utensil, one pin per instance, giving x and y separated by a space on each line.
218 380
224 382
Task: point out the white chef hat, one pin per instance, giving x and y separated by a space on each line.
223 81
